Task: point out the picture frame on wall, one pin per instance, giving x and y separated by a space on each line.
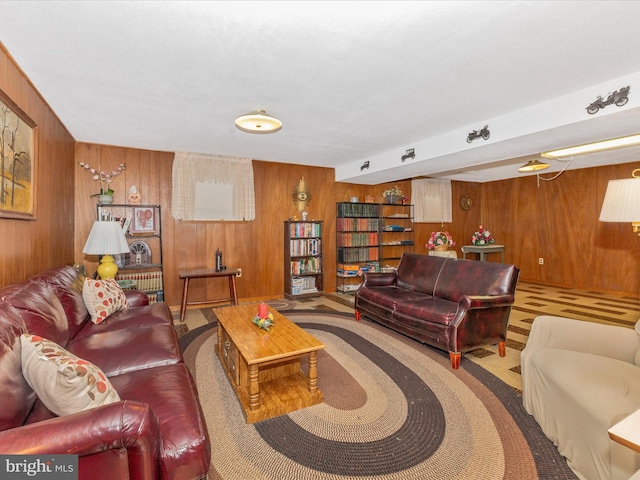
18 161
143 221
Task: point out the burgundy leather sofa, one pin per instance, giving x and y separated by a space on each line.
451 304
156 431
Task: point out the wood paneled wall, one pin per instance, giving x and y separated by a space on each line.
29 247
559 222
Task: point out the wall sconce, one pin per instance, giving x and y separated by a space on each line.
410 154
258 121
622 201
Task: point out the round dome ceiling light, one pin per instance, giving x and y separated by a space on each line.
258 121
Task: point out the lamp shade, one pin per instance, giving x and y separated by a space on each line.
621 201
106 238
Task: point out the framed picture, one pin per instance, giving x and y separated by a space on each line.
17 161
143 220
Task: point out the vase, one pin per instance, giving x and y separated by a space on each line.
105 199
441 248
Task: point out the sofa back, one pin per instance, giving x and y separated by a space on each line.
470 277
419 273
16 396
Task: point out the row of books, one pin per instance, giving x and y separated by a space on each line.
357 210
357 224
357 239
301 247
306 265
145 281
305 230
355 255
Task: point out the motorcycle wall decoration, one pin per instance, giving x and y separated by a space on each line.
619 98
484 133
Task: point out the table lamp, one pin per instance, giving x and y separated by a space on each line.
106 239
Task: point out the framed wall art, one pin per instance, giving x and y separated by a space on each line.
143 221
17 161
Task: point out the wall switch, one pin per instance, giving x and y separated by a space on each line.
541 261
239 274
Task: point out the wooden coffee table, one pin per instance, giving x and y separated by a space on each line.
264 367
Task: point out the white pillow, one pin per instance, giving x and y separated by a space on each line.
102 298
65 383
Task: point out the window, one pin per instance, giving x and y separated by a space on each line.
212 187
432 200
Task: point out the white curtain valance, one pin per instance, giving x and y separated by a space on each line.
432 200
191 168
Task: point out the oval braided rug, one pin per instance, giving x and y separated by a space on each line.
393 409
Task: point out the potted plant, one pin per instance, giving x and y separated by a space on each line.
482 237
105 196
440 241
392 195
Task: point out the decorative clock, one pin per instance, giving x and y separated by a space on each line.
466 202
301 195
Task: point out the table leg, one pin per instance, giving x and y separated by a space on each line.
232 289
254 388
312 381
483 257
183 305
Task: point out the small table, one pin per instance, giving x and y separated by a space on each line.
482 250
187 275
264 366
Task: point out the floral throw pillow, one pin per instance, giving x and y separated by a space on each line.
102 298
65 383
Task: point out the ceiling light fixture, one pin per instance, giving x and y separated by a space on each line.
533 166
258 121
628 141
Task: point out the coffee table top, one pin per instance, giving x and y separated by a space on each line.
256 345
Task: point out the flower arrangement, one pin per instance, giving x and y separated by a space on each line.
482 237
105 178
440 239
265 323
392 192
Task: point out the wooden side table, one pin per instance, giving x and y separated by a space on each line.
187 275
482 251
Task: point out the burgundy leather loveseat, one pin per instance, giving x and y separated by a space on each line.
451 304
156 430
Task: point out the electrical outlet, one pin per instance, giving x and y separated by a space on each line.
239 274
541 261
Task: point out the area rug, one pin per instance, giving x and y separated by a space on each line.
393 409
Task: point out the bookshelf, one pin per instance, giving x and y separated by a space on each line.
141 268
303 276
370 237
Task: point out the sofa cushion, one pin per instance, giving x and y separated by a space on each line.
67 284
132 318
126 350
40 309
102 298
65 383
469 277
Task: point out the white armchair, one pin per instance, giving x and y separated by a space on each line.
578 380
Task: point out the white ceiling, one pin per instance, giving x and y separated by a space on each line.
351 81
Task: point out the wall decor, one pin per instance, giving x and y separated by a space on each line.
466 202
17 161
482 133
619 98
143 220
301 195
411 153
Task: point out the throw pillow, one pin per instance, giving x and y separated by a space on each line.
65 383
102 298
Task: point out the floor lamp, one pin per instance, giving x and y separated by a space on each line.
106 239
